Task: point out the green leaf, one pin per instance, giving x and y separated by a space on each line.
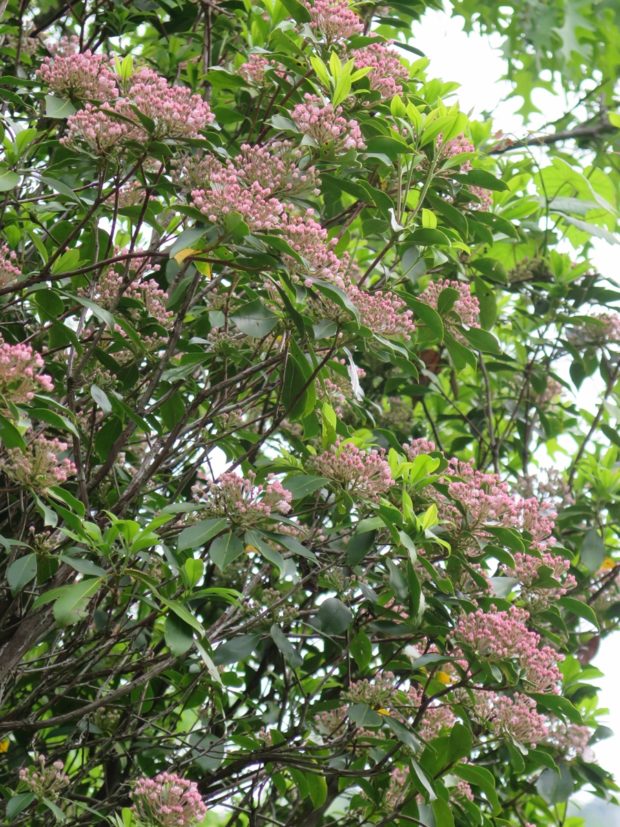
429 316
289 653
442 813
480 777
482 340
198 535
192 571
261 544
405 737
182 612
333 617
101 398
358 547
559 705
178 635
592 550
361 649
580 609
235 650
362 715
72 601
482 178
8 180
302 485
21 572
58 107
10 437
255 320
317 787
224 549
17 803
298 393
555 787
83 566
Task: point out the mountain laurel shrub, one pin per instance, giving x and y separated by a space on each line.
308 428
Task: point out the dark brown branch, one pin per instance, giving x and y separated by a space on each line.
583 132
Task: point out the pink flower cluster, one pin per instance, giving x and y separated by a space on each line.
600 329
457 146
81 75
571 739
378 693
333 19
484 198
325 125
244 503
552 391
387 74
515 718
527 569
39 466
21 373
362 473
487 501
466 306
168 800
254 68
337 389
309 240
503 635
418 446
252 183
8 269
45 781
397 789
382 312
437 716
175 112
331 722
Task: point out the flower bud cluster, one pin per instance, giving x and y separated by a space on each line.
331 722
45 781
174 111
168 800
382 312
397 790
8 269
503 635
527 571
21 373
337 389
244 503
571 739
38 466
325 124
456 146
254 68
364 474
511 717
599 329
378 693
466 306
387 74
81 75
253 183
333 19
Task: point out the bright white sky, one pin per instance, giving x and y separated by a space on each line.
476 63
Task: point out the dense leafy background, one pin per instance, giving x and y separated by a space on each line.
298 657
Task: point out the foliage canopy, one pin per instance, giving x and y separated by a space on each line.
303 521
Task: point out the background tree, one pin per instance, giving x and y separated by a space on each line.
302 524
